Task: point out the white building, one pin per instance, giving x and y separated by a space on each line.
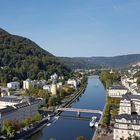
130 104
126 126
32 83
127 123
72 83
117 91
27 83
13 85
47 87
54 77
59 85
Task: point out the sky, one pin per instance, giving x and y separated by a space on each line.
76 28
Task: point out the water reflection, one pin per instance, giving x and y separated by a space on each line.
69 128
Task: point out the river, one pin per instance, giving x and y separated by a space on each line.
69 128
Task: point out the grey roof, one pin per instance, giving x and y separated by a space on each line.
7 109
129 117
21 105
130 96
9 99
120 87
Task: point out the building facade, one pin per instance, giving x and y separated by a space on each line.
126 126
117 91
127 123
13 85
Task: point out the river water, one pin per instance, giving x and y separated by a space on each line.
67 127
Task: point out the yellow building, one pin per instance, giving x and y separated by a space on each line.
54 89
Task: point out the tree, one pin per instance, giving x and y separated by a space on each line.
8 129
51 101
27 121
37 117
61 92
80 138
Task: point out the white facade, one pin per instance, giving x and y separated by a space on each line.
47 87
127 123
72 83
126 126
54 77
59 85
13 85
117 91
27 83
130 104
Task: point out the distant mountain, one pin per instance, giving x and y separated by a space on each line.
21 58
98 62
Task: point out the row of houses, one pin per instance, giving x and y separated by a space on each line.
127 122
52 88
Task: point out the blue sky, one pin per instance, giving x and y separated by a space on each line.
76 27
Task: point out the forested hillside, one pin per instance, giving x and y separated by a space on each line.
21 58
101 62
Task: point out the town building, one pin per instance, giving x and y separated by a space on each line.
54 77
13 85
18 110
54 89
59 85
72 83
117 91
47 88
130 104
127 123
126 126
33 83
28 83
4 91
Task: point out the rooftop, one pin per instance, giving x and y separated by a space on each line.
130 96
7 109
10 99
134 119
119 87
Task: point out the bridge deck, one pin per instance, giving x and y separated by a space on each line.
79 110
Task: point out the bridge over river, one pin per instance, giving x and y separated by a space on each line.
78 110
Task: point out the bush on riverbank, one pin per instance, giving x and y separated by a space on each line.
80 138
111 110
9 128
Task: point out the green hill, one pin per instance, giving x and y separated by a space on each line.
21 58
101 62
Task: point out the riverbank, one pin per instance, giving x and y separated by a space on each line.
105 130
96 135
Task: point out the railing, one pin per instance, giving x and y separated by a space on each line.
79 110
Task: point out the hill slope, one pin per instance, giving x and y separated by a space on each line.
22 58
97 62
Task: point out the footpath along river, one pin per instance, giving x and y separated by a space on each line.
67 127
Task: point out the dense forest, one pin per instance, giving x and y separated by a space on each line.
21 58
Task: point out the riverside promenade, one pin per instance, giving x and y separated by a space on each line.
96 135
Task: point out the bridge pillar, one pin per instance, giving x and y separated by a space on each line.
78 113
